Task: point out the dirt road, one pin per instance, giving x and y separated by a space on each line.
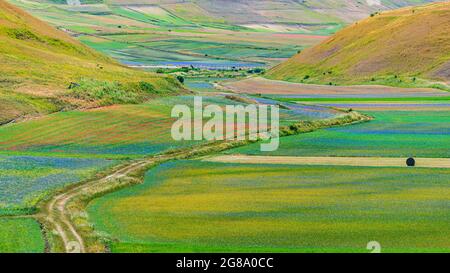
58 217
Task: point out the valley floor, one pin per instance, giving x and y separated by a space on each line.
331 190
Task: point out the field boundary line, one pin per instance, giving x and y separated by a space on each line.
331 161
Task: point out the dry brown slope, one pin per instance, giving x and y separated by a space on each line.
392 48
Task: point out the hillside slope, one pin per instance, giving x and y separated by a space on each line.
399 47
39 63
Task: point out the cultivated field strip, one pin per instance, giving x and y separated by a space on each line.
58 217
265 86
332 161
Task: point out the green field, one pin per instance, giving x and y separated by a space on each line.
390 134
212 207
70 114
195 206
121 131
29 241
26 180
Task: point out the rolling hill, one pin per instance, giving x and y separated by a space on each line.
404 47
40 63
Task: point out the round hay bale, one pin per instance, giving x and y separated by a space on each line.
410 162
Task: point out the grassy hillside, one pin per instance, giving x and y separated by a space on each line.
39 63
399 47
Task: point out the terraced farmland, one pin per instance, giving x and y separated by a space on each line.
199 206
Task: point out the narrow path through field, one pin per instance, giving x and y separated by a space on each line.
57 210
58 218
333 161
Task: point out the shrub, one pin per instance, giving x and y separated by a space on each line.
22 34
107 93
180 79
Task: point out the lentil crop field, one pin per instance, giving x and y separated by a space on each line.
118 131
200 206
390 134
196 206
40 156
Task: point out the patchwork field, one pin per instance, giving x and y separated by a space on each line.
216 207
43 155
119 131
174 35
330 190
206 34
390 134
443 105
25 180
340 188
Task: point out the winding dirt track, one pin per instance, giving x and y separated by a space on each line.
332 161
58 216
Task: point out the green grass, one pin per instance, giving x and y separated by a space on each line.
29 241
113 92
390 134
14 105
194 206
